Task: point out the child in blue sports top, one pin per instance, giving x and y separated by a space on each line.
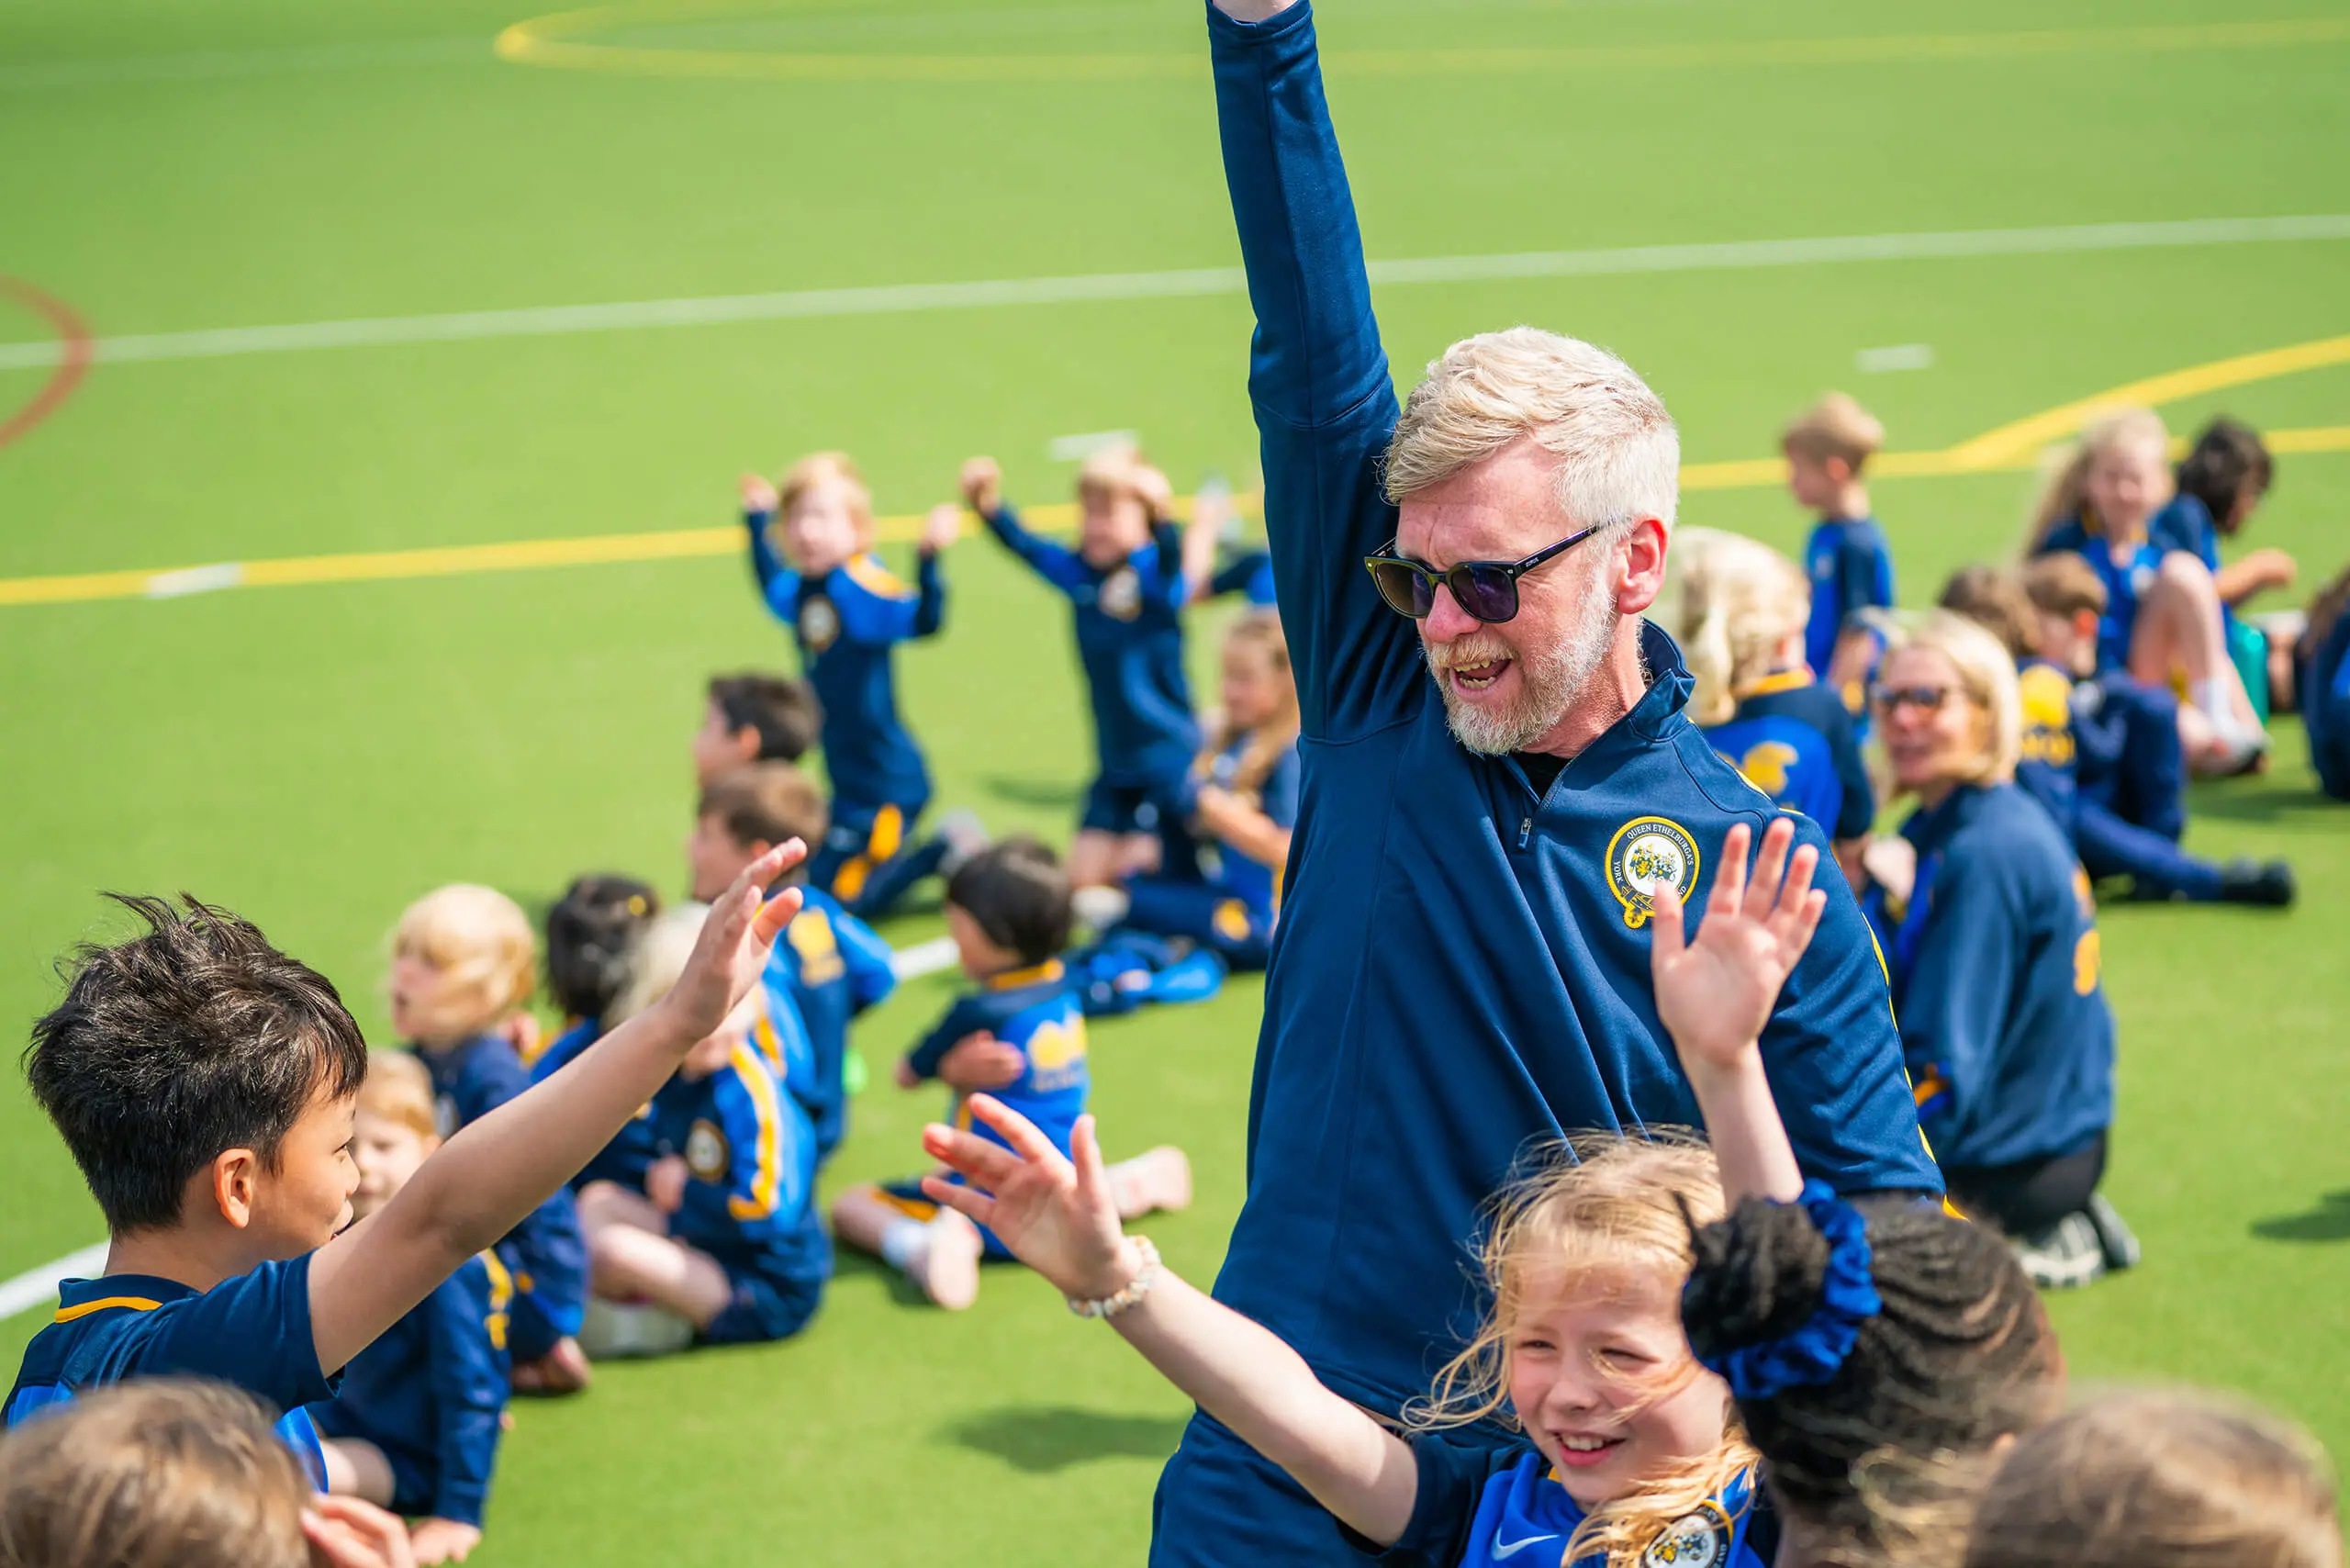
812 545
1126 584
2221 483
1021 1036
1629 1452
2103 752
1846 558
591 931
1242 806
205 1085
2163 619
828 966
2322 681
752 717
416 1424
1741 629
723 1246
463 962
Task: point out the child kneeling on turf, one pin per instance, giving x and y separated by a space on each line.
1631 1450
463 961
415 1426
1022 1034
723 1245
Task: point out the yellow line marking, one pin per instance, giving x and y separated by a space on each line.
556 41
2008 448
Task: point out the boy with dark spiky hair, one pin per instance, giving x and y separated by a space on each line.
752 717
205 1083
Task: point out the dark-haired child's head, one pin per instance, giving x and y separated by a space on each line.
463 958
1880 1356
1008 907
589 931
2153 1480
753 718
2229 470
165 1473
744 813
203 1078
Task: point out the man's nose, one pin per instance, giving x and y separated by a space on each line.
1445 619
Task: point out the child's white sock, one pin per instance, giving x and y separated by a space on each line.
904 1243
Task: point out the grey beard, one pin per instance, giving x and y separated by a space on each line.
1555 679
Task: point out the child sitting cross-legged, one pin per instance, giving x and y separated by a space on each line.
1631 1451
415 1426
463 962
206 1084
1022 1034
722 1245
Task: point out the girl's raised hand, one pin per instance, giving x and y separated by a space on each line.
941 529
1715 994
1056 1215
735 939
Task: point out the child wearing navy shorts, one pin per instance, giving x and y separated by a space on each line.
1126 588
463 962
416 1424
1020 1036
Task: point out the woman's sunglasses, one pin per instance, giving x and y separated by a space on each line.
1925 699
1485 591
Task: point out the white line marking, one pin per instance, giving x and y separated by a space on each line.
924 958
194 580
1900 356
38 1287
1076 448
898 298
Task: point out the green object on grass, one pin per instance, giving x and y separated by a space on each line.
2248 650
853 1072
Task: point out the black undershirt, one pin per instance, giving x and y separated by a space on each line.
1542 769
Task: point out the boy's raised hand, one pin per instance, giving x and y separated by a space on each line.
1715 994
1056 1215
734 944
759 493
941 529
982 485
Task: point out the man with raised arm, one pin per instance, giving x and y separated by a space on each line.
1498 775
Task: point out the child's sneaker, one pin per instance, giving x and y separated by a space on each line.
947 1267
2066 1255
1156 1182
622 1330
2119 1243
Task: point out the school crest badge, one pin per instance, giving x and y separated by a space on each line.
1694 1540
1120 595
820 624
706 1152
1646 854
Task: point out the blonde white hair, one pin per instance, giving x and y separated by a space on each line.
1739 599
1619 456
656 960
1986 674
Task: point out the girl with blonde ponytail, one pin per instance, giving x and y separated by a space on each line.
1743 609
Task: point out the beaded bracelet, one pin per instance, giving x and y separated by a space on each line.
1146 1275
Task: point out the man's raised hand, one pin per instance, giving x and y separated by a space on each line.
1056 1215
735 938
1716 993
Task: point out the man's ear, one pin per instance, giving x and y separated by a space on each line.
1641 561
236 1181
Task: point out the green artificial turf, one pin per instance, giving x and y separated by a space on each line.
315 756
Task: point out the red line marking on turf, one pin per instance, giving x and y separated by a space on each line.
73 364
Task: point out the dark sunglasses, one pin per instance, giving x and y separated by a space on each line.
1485 591
1925 699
